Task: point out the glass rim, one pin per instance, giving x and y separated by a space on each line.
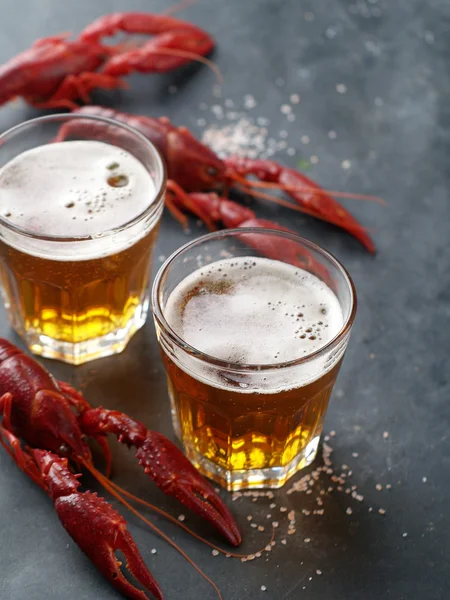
151 209
159 317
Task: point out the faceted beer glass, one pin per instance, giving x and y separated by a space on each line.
248 425
77 296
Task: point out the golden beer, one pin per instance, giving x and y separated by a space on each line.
252 348
76 301
79 220
241 432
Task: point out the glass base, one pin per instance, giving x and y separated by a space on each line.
270 478
82 352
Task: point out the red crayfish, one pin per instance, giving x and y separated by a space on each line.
194 168
55 71
54 421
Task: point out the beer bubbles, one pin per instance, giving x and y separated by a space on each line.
254 311
74 188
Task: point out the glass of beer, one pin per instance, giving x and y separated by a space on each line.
80 203
253 325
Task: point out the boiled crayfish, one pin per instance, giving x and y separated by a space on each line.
55 71
54 420
193 169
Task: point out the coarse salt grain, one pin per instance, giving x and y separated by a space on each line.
153 551
379 487
284 542
181 518
263 588
424 479
341 88
260 528
346 164
386 435
405 534
305 139
249 101
291 515
249 518
295 98
355 454
318 572
307 540
215 553
382 511
332 135
349 511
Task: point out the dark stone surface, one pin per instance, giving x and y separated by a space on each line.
393 124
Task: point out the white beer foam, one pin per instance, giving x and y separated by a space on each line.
62 189
272 313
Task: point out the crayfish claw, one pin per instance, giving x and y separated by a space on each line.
176 476
137 568
100 531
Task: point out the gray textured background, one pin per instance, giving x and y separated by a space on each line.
393 124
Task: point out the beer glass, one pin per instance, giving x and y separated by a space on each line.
75 261
246 424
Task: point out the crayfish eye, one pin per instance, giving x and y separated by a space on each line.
211 171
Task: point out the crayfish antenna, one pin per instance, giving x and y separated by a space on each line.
253 183
172 10
178 523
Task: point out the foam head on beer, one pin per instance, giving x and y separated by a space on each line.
73 189
254 311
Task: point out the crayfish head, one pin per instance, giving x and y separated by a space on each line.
194 166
